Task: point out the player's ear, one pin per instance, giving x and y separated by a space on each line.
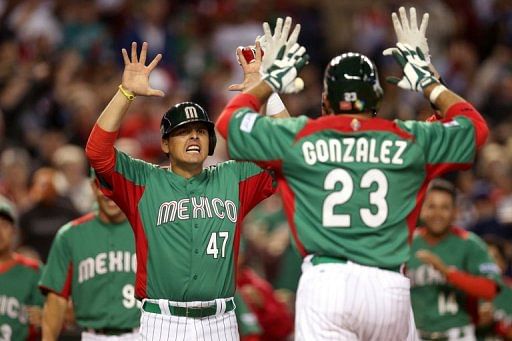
164 143
325 104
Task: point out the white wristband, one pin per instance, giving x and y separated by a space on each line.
434 94
274 105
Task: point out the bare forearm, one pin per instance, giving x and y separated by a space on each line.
53 316
113 114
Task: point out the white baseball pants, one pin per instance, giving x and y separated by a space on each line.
347 301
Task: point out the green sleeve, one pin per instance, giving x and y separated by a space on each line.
134 170
479 261
55 273
444 142
254 137
247 321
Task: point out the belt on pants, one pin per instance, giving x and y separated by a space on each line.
111 331
315 260
193 312
441 336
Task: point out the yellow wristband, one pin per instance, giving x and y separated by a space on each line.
129 96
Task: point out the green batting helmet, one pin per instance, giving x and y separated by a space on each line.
351 85
185 113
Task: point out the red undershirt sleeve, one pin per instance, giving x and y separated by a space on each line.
100 151
476 286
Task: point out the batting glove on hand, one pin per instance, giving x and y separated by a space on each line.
407 31
417 74
272 43
281 76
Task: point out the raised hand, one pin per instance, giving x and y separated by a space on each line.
136 73
408 32
417 75
281 76
272 43
251 69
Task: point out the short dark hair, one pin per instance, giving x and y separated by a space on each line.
443 186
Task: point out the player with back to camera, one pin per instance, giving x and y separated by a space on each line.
351 183
186 219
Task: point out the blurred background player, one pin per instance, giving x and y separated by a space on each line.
92 263
20 301
448 268
249 328
351 184
495 317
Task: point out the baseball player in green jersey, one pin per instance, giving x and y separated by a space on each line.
186 219
448 266
92 262
495 317
18 282
352 184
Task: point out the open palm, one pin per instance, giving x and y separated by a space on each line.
136 73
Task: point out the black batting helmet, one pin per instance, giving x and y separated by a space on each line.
351 85
185 113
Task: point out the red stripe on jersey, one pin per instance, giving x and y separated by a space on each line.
345 124
25 261
467 110
238 102
412 218
289 208
83 219
251 192
435 170
459 232
129 203
66 289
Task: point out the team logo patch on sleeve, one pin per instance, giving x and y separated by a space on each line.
248 122
451 124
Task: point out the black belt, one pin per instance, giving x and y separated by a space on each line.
110 331
326 259
194 312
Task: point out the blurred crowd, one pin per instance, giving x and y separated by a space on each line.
60 62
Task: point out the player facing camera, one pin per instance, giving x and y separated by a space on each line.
188 135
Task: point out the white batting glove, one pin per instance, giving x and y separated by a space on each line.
417 74
407 31
272 43
281 76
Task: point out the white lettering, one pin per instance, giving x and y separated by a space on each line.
198 207
231 210
115 261
216 201
182 209
362 150
349 146
308 149
385 150
322 151
100 263
397 159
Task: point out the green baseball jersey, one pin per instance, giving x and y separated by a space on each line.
351 187
18 290
247 321
94 263
187 230
437 305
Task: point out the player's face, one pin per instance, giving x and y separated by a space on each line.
188 145
438 212
6 235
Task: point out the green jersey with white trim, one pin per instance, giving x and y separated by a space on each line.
437 305
187 230
350 186
18 290
94 263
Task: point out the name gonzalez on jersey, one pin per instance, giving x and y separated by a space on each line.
350 149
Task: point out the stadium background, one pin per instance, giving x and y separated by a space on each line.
60 63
